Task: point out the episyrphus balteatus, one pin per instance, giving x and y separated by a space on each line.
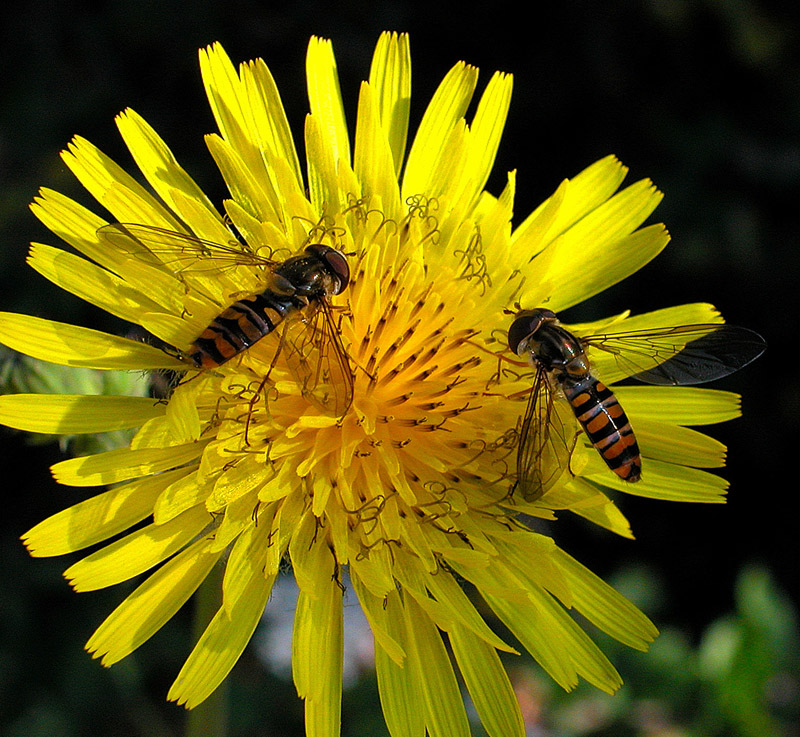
565 389
296 297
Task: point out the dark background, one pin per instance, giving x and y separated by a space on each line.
702 97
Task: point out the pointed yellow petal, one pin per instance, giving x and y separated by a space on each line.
560 646
459 609
98 518
445 110
245 561
248 191
488 684
325 99
317 654
390 77
93 284
585 499
100 175
152 604
252 121
323 182
681 405
270 128
662 480
137 552
157 162
70 345
485 132
398 686
604 606
680 445
123 464
221 645
311 557
373 163
587 191
375 612
67 414
441 698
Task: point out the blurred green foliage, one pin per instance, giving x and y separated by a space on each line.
740 679
20 374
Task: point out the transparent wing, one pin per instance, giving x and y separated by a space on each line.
684 355
317 359
178 252
545 438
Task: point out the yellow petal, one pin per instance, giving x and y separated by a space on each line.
399 689
98 518
441 697
157 162
137 552
561 647
445 110
373 164
488 684
680 445
245 561
317 655
390 77
270 129
375 612
66 414
325 99
604 606
221 645
123 464
100 175
680 405
152 604
662 480
485 132
70 345
99 286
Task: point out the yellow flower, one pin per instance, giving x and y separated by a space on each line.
407 485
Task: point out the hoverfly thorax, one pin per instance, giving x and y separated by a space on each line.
320 271
538 335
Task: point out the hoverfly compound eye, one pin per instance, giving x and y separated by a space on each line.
518 333
336 263
525 324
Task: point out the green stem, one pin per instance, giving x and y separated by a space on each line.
209 719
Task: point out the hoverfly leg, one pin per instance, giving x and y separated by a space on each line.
252 402
575 463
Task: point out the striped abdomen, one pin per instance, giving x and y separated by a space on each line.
241 325
605 422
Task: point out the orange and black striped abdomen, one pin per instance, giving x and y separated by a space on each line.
239 326
605 422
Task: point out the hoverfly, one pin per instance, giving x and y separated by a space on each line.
564 385
296 296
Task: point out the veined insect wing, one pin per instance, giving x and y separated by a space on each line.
545 437
179 252
317 359
714 355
